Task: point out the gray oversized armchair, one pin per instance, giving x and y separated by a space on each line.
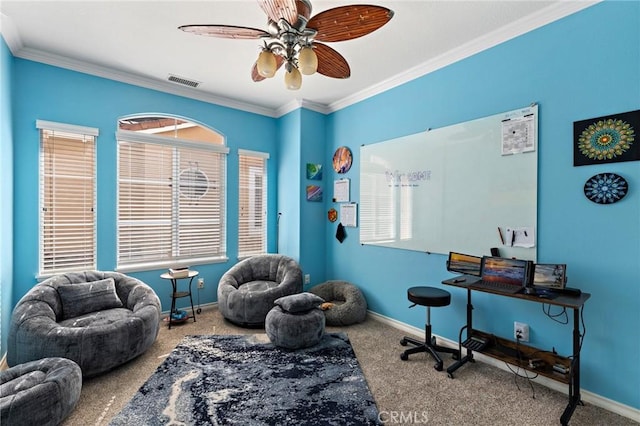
246 292
97 319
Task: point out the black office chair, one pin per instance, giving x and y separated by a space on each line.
428 296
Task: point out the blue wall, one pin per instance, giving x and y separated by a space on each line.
289 175
50 93
301 141
313 214
6 191
576 68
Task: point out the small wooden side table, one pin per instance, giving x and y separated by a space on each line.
175 294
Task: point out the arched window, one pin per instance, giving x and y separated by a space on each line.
171 193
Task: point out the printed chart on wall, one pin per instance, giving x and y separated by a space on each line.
453 188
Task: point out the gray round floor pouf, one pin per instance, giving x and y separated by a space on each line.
349 305
294 330
42 392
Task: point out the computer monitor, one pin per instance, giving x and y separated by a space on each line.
509 271
465 264
550 275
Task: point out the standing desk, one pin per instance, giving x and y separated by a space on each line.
519 354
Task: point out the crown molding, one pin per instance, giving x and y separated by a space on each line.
302 103
10 34
522 26
149 83
543 17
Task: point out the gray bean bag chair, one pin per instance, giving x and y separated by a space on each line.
100 320
42 392
295 321
246 292
349 305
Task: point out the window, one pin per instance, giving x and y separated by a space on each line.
67 198
252 212
171 193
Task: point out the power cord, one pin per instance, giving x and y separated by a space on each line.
584 332
563 313
516 373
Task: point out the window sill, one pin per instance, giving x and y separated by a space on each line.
152 266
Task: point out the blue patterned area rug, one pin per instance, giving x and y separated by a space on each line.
246 380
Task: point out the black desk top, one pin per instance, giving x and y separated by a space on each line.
565 300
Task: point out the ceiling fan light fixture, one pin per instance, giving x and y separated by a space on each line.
266 64
307 60
295 39
292 78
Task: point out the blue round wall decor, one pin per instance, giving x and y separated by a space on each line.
606 188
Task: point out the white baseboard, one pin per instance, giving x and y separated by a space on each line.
590 397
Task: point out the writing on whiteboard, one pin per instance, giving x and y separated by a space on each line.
397 177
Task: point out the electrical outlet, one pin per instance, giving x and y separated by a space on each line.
307 278
200 282
521 331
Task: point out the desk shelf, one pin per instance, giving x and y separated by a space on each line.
519 354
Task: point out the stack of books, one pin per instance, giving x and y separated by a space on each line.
179 272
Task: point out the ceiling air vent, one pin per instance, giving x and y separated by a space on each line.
183 81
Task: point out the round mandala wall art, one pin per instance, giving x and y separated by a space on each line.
606 188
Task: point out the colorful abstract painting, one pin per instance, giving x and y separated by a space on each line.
314 171
342 159
608 139
314 193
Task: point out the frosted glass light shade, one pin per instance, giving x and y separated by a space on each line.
307 61
266 64
293 79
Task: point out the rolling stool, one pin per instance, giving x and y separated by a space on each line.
428 296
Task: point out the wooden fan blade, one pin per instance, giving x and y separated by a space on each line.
225 31
276 9
254 70
349 22
304 8
331 63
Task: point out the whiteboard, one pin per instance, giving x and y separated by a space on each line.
449 189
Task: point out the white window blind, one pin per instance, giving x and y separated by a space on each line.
67 198
252 213
171 202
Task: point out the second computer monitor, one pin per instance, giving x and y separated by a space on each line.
464 264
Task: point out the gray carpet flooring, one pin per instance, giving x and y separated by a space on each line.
406 392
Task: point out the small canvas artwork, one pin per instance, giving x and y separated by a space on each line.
314 171
607 139
314 193
342 159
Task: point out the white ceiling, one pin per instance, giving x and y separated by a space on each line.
138 42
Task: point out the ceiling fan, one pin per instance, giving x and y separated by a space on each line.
292 37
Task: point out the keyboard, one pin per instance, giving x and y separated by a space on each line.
497 286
